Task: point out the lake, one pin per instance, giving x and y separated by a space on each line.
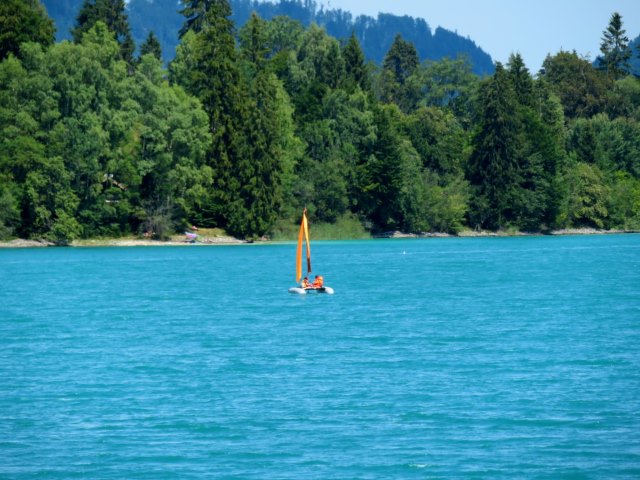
436 358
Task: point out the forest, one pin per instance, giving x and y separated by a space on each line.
374 34
247 126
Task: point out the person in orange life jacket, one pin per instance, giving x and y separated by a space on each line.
318 282
305 282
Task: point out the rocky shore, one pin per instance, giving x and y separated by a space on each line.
178 240
127 242
502 233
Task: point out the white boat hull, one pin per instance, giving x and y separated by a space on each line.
305 291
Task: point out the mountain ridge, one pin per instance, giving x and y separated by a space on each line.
374 34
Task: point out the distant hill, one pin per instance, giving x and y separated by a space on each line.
374 34
635 57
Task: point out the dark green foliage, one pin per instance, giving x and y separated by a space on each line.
216 81
586 199
245 131
439 139
23 21
86 146
151 46
112 14
582 89
9 209
356 74
399 64
448 84
615 49
253 41
401 60
201 14
521 80
392 194
493 165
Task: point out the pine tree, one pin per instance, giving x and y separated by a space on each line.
615 48
521 79
260 195
356 71
401 59
253 41
217 82
493 168
112 13
151 45
399 64
196 12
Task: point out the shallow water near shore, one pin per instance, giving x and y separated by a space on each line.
436 358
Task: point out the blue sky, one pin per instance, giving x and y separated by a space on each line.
500 27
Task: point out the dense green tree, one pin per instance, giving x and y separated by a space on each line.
9 208
356 74
23 21
624 202
439 139
319 59
445 205
521 79
215 79
615 48
113 14
586 197
399 64
182 67
245 152
583 141
582 89
539 152
197 13
392 195
401 59
268 133
624 98
321 172
446 84
88 148
253 41
151 46
283 35
493 166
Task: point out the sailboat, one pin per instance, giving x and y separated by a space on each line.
303 237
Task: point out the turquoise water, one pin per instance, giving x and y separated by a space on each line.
436 358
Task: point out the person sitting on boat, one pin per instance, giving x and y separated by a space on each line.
305 283
318 282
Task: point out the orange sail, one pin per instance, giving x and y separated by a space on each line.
303 234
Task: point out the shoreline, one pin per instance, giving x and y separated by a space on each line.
178 241
506 233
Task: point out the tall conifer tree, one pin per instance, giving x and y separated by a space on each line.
615 48
217 82
399 64
112 13
493 164
196 13
356 70
151 45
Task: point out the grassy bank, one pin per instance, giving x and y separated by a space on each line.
347 227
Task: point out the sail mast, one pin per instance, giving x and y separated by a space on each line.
303 235
306 235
